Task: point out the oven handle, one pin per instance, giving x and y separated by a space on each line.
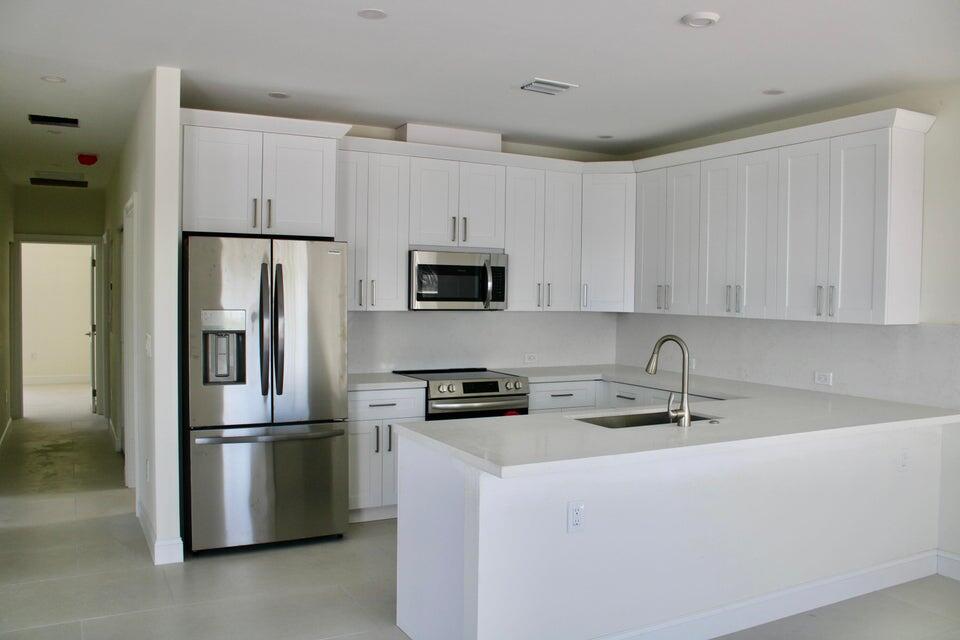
440 406
489 297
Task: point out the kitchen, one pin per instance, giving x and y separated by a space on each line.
494 388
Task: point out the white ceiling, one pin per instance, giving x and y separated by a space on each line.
645 78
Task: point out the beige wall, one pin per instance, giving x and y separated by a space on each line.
940 293
6 237
56 312
59 211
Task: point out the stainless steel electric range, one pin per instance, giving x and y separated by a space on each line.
472 393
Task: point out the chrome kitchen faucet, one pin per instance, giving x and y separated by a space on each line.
681 415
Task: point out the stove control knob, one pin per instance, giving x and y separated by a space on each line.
509 386
451 388
441 388
518 385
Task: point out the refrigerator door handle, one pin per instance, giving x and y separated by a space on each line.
317 435
264 329
278 326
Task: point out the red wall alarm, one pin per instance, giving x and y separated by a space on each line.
87 159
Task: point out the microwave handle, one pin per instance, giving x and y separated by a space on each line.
489 297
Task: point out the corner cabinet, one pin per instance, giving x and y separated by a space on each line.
258 175
608 242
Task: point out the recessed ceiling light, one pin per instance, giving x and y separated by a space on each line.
773 92
699 19
605 137
53 79
372 14
279 95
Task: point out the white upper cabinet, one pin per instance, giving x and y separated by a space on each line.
482 205
388 223
718 286
682 240
756 284
561 243
374 218
804 228
608 241
434 202
651 240
352 190
299 185
222 180
524 238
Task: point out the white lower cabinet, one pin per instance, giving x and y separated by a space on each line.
545 396
372 444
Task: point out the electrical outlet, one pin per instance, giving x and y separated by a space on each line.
693 363
575 516
529 358
823 377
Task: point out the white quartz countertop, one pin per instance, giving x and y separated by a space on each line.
377 381
749 414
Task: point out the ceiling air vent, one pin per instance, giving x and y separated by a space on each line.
53 121
58 179
549 87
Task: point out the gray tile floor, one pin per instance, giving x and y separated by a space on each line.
73 565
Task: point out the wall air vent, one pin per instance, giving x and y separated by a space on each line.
58 179
549 87
53 121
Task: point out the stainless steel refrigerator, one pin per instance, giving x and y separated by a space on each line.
266 399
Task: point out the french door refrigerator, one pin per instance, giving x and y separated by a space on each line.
266 401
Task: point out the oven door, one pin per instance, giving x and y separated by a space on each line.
446 280
484 407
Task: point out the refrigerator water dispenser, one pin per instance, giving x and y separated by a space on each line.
224 355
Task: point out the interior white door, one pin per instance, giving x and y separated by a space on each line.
221 180
718 236
299 185
804 229
757 235
524 239
859 188
365 445
608 239
482 205
434 202
387 232
682 268
352 190
651 240
562 224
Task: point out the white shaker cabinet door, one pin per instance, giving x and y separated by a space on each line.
434 202
859 202
682 272
524 239
651 240
482 205
562 223
221 180
352 188
608 241
365 446
804 229
389 453
718 237
756 283
299 185
387 233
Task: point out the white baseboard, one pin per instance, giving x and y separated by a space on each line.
788 602
117 442
6 430
948 564
166 551
66 378
373 513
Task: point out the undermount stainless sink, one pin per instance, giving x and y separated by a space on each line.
637 420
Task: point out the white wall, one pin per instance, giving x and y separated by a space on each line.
6 236
149 171
383 341
59 211
56 313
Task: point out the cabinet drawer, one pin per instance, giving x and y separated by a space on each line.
617 395
563 395
386 403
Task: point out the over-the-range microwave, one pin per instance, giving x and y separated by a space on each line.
451 280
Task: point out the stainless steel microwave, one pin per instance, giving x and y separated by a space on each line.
451 280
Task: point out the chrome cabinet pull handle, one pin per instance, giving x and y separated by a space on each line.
453 237
256 202
464 228
659 296
376 447
561 395
585 297
623 397
819 300
739 297
269 212
728 298
832 301
382 404
666 297
539 292
389 438
549 294
360 292
373 293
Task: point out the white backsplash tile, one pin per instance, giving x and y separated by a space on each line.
383 341
919 363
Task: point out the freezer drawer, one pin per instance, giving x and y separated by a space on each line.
267 484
